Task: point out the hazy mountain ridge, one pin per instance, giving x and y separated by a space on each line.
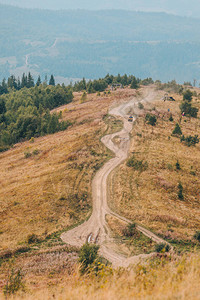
85 43
178 7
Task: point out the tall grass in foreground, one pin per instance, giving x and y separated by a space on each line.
162 277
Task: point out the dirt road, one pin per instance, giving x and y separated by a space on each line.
95 230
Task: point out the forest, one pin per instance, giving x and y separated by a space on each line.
25 109
25 105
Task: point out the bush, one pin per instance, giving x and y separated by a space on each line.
177 130
171 118
84 96
140 105
188 109
178 167
180 191
187 95
14 283
162 248
197 236
27 154
151 119
130 230
137 164
32 140
36 152
190 140
87 256
32 238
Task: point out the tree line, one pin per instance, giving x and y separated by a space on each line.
102 83
26 81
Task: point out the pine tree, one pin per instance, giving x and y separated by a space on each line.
134 83
18 84
24 81
52 80
38 81
180 191
177 130
30 81
12 83
90 89
3 87
84 84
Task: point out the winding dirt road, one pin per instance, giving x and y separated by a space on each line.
96 230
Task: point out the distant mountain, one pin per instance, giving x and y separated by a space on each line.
179 7
78 43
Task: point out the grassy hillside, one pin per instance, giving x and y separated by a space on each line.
44 194
46 185
149 195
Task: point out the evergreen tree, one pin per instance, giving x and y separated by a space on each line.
118 78
125 80
52 80
30 81
180 191
84 84
90 89
12 83
3 87
38 81
24 81
18 84
134 83
187 95
2 107
177 130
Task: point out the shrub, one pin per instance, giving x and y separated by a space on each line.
137 164
197 236
84 96
180 191
187 95
171 118
151 119
36 152
32 238
178 167
32 140
27 154
188 109
140 105
162 248
177 130
14 283
130 230
87 256
190 140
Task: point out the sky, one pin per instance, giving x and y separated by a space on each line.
178 7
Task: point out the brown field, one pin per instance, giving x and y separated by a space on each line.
150 197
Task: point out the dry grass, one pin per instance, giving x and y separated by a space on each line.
51 190
162 277
128 246
150 197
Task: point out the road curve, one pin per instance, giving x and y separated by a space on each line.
95 230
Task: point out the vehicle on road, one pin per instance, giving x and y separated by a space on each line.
130 119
